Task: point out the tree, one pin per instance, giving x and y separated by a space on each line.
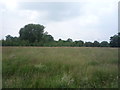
115 40
104 44
96 44
48 38
78 43
88 44
46 33
32 32
60 40
69 40
9 38
81 43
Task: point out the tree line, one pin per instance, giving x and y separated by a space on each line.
34 35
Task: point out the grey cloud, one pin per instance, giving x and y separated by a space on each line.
57 10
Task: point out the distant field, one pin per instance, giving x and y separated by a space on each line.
34 67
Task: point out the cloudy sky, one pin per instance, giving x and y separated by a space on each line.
86 20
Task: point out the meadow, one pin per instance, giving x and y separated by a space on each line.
59 67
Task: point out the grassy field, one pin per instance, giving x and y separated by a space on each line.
35 67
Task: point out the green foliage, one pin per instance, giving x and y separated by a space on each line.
9 38
34 35
32 32
89 44
115 40
104 44
69 40
1 42
79 43
96 44
47 38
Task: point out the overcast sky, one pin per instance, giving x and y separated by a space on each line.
86 20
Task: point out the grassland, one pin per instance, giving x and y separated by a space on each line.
34 67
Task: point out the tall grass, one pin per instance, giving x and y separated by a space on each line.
34 67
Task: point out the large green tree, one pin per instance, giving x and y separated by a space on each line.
78 43
69 40
104 44
96 44
48 38
32 32
88 44
115 40
9 38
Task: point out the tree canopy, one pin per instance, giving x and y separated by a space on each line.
115 40
32 32
104 44
34 35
